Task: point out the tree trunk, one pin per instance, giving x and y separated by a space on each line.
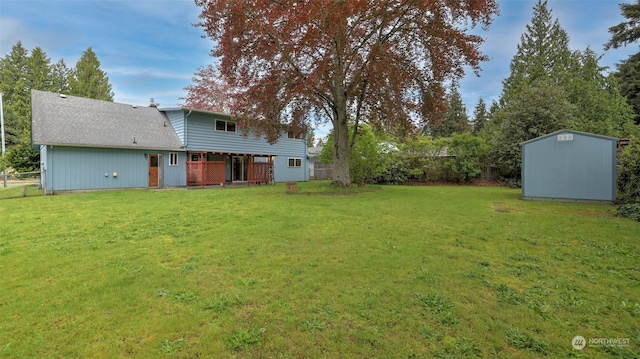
341 148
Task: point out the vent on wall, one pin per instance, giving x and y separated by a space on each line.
567 137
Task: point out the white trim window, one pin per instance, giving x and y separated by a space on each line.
173 158
226 126
294 162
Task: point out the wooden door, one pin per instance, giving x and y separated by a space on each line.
153 170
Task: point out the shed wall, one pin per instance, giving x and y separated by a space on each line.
581 169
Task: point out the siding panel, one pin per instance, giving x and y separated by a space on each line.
93 168
202 136
581 169
176 118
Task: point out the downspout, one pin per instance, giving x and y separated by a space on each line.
50 157
186 169
43 169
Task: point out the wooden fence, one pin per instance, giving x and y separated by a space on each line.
322 171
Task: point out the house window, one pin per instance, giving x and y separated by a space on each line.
214 158
195 157
291 134
226 126
295 162
173 159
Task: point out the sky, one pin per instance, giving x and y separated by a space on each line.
151 48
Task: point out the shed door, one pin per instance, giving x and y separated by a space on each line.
153 170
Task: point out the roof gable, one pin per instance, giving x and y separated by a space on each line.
569 131
76 121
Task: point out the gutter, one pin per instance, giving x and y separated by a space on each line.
182 149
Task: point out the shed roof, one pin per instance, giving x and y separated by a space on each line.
570 131
76 121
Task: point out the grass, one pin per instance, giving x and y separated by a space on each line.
399 272
30 190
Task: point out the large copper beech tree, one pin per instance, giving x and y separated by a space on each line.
348 61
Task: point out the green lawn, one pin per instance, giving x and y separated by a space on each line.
400 272
25 190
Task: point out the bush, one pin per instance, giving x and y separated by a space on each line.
629 174
23 158
467 152
423 158
368 158
396 173
629 210
511 182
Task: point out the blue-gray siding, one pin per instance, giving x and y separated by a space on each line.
77 168
177 121
581 169
200 134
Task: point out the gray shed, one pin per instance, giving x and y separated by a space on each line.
569 166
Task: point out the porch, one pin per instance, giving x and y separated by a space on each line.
222 169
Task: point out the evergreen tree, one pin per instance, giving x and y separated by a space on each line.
19 74
60 77
541 108
16 93
38 70
37 77
87 80
600 108
455 119
626 32
628 76
543 52
480 116
545 62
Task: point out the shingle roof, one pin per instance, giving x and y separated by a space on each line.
76 121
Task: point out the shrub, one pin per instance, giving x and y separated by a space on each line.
629 174
629 210
368 158
23 158
422 158
396 173
467 151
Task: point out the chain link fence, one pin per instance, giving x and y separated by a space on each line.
20 184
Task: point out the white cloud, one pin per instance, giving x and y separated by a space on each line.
13 29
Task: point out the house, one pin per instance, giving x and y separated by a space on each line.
88 144
569 166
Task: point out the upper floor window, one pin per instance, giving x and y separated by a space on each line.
292 134
227 126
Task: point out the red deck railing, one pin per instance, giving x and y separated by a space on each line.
260 172
205 173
